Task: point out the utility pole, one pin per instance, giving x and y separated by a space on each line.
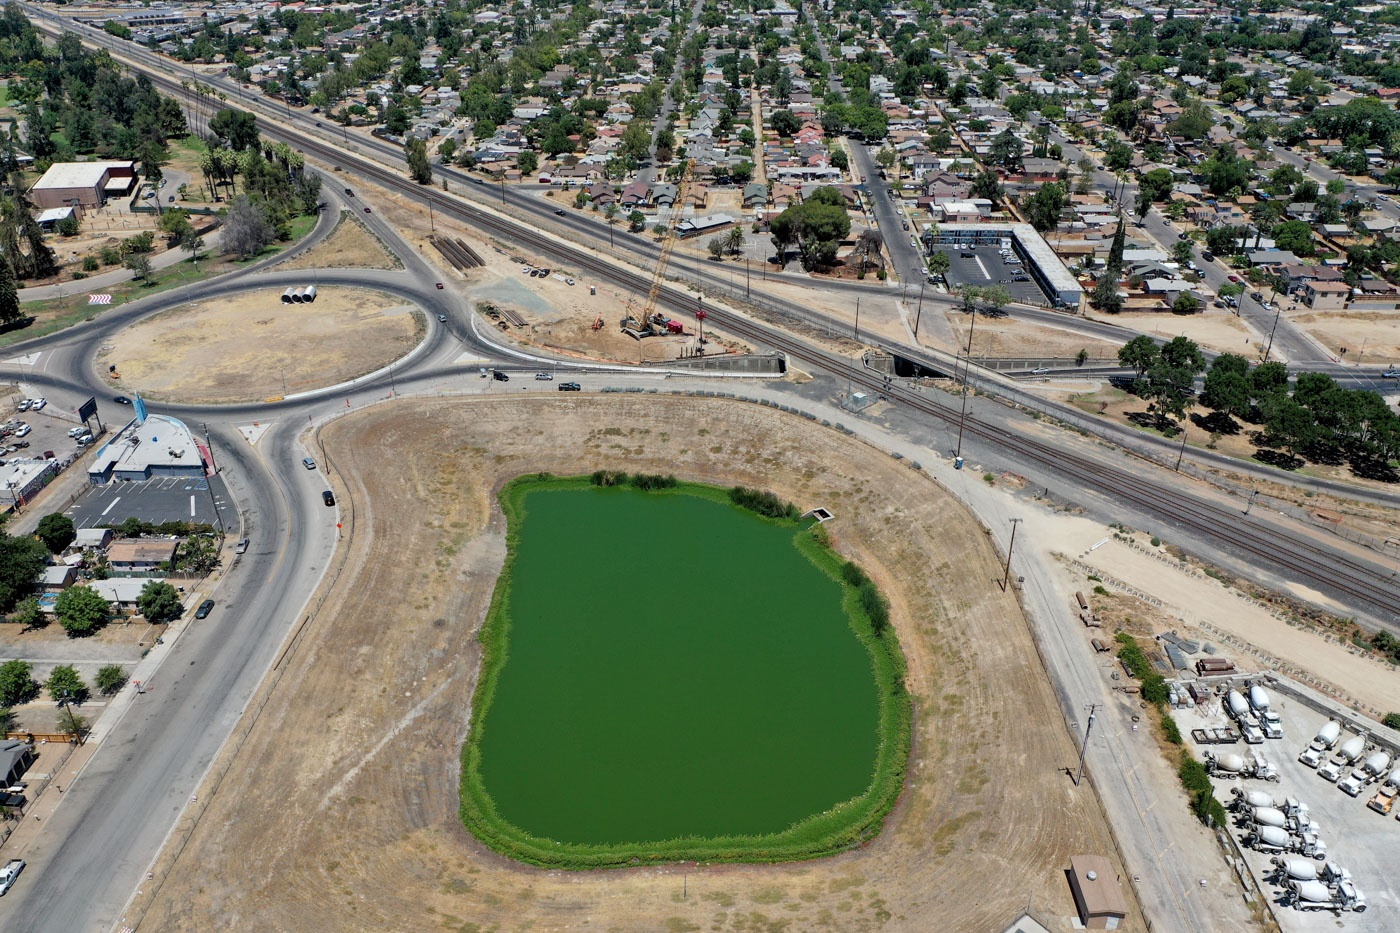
1271 334
210 446
1250 504
919 313
857 319
746 276
432 228
1007 577
1182 452
72 720
1088 726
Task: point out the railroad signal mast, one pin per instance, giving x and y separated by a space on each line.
650 323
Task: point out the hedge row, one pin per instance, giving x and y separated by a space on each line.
841 827
1154 685
1200 790
644 481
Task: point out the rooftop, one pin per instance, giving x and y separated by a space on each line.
159 440
76 174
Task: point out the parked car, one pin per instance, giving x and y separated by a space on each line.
84 440
241 546
38 404
23 430
309 463
75 432
23 404
10 873
204 609
1208 256
967 254
570 387
328 497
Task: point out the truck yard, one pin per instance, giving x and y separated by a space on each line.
1357 838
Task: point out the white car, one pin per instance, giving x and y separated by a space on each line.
1039 371
23 430
37 404
1391 374
23 405
76 432
544 377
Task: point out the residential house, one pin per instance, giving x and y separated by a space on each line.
1325 296
141 555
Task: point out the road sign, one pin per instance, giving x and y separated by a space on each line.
88 409
99 299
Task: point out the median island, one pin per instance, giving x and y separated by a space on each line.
679 672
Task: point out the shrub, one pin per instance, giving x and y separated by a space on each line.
607 478
110 679
1156 542
1100 591
1154 685
649 481
1392 720
1170 730
81 610
66 684
17 683
1199 789
852 575
764 503
110 256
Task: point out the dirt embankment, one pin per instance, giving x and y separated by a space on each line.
339 811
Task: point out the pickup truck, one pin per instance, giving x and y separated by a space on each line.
10 873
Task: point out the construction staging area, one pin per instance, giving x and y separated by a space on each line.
355 740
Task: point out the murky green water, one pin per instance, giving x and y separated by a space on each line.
675 667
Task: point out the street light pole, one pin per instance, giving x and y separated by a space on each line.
1271 334
1006 578
1182 452
918 314
857 320
72 720
1088 727
209 445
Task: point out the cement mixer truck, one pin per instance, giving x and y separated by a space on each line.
1384 800
1233 765
1293 869
1371 771
1276 839
1324 740
1245 799
1346 756
1269 720
1315 895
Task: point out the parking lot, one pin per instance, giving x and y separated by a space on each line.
1357 838
985 267
166 499
48 431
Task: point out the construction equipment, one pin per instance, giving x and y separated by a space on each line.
650 323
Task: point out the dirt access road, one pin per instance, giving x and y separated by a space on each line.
335 806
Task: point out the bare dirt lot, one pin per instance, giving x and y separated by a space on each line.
1374 335
252 346
1005 336
350 246
337 810
1213 329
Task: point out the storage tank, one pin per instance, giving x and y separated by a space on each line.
1327 735
1377 763
1268 816
1258 699
1296 869
1352 748
309 295
1236 704
1311 893
287 296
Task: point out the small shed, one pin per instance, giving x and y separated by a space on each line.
1097 895
92 538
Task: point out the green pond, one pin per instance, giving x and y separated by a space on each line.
675 667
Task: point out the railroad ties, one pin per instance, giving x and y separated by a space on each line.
462 256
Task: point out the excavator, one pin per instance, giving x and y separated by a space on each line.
650 322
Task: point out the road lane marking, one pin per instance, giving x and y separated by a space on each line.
191 506
985 273
112 506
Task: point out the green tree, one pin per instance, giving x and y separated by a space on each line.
716 247
1118 157
636 221
1226 387
1182 251
22 559
56 531
110 679
1223 240
939 263
81 610
28 614
17 683
1140 354
1156 185
65 684
1295 236
1007 151
139 264
1186 303
416 155
785 123
1043 208
987 185
527 162
1391 721
159 602
235 128
9 293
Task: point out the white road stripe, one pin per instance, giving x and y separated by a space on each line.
112 506
985 273
191 506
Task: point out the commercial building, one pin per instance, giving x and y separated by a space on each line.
1096 892
82 184
21 479
151 445
1040 260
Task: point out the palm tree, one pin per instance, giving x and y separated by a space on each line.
734 241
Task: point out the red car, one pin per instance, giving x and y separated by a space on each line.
439 285
366 210
1234 278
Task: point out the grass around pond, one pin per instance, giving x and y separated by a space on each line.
668 677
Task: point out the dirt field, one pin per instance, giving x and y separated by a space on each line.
339 810
1214 329
1009 337
1374 335
253 346
350 246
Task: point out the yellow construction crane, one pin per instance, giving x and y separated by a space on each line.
643 325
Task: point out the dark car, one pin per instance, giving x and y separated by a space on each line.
1208 256
499 376
570 387
121 400
967 254
367 210
204 609
328 497
349 192
559 213
1257 296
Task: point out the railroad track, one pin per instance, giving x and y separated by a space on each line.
1310 563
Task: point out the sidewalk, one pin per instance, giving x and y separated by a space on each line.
42 808
113 276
